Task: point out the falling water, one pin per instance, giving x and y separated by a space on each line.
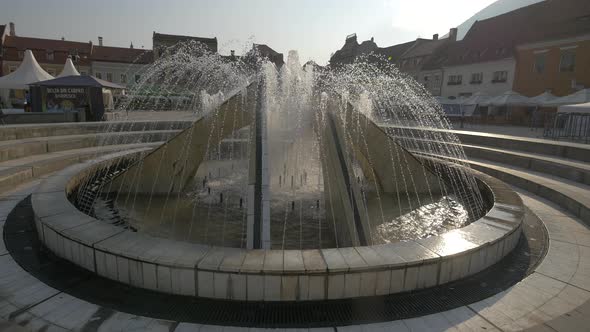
188 83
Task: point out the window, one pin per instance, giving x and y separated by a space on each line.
568 61
137 78
426 78
540 60
110 77
49 55
455 80
436 78
99 75
500 77
83 73
51 72
476 78
21 54
123 78
12 69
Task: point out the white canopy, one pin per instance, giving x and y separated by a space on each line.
477 98
578 108
509 98
543 98
69 69
28 72
580 97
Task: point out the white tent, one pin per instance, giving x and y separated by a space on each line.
28 72
509 98
69 69
543 98
580 97
578 108
477 98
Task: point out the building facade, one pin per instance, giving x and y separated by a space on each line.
492 78
163 41
50 54
561 67
120 65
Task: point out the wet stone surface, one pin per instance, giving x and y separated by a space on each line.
23 244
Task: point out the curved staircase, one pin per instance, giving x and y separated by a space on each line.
553 179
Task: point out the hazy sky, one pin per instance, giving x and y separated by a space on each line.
315 28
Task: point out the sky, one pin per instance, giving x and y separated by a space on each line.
315 28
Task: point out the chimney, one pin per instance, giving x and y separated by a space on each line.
12 29
453 34
63 38
131 46
233 53
435 36
99 41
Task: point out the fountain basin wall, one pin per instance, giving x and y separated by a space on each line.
189 269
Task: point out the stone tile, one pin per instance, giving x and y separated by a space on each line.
212 259
91 233
368 283
397 281
382 282
289 288
317 287
353 259
352 285
253 262
164 279
221 285
314 261
150 279
293 261
334 260
572 322
450 243
561 261
427 275
233 260
255 287
412 252
273 261
335 286
238 287
410 278
465 320
272 288
206 285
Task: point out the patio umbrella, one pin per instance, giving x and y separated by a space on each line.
28 72
542 98
509 98
69 69
477 98
580 97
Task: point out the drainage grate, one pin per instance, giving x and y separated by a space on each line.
21 241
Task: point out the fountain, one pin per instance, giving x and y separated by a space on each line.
293 183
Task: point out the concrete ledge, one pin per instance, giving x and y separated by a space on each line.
14 132
270 275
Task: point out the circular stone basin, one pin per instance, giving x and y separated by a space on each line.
190 269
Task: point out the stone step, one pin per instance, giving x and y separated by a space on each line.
569 169
568 150
16 132
565 168
570 195
22 148
19 171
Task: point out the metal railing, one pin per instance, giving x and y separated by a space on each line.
569 126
